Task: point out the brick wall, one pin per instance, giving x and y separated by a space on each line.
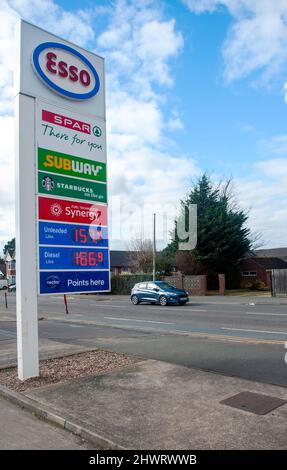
195 285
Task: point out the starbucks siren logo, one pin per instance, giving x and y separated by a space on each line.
48 183
56 210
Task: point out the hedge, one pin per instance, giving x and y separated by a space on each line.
123 283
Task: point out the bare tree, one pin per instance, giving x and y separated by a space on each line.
140 254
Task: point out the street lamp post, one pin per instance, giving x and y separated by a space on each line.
154 249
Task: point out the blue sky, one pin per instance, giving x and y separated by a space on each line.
192 86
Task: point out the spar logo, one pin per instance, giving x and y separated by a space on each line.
70 123
66 71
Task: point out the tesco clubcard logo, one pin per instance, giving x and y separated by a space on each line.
66 71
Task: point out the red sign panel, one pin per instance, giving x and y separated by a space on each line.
64 121
71 211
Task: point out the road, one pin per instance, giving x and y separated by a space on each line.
224 335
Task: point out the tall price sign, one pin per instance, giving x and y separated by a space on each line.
61 185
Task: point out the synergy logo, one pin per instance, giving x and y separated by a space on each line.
83 213
53 282
66 71
56 209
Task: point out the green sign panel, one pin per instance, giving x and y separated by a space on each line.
57 185
64 164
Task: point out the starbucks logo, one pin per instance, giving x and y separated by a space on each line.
56 210
48 183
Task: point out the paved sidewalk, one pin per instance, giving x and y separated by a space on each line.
24 431
156 405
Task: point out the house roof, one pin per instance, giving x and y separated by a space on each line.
272 252
121 258
9 255
270 262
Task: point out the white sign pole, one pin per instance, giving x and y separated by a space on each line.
67 84
26 273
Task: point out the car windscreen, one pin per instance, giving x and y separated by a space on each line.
166 286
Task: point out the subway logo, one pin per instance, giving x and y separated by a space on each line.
64 164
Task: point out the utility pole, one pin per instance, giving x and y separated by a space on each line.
154 250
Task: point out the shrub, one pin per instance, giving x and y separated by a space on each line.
258 285
123 283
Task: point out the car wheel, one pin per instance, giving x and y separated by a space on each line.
163 300
135 300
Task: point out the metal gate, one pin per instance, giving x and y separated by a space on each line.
279 282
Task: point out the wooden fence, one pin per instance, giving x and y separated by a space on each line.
279 282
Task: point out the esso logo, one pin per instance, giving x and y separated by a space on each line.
66 71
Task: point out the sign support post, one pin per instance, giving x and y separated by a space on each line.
62 241
26 272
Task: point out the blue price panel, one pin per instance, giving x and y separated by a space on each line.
73 258
67 282
51 233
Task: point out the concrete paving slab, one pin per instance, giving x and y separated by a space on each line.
156 405
23 431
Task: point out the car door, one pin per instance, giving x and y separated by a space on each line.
153 292
142 291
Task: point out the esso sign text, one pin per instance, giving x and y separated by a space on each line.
66 71
63 70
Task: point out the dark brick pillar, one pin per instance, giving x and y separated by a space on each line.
203 284
221 280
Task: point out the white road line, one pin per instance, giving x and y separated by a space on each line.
145 321
257 331
110 306
267 314
181 309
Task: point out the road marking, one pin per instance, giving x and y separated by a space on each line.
144 321
110 306
155 307
271 314
257 331
181 309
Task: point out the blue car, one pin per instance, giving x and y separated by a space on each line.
158 292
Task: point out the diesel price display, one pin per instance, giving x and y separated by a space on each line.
63 258
87 258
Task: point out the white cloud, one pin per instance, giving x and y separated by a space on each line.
264 191
274 168
7 215
75 26
256 41
139 44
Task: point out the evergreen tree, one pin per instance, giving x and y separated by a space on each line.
10 245
222 235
